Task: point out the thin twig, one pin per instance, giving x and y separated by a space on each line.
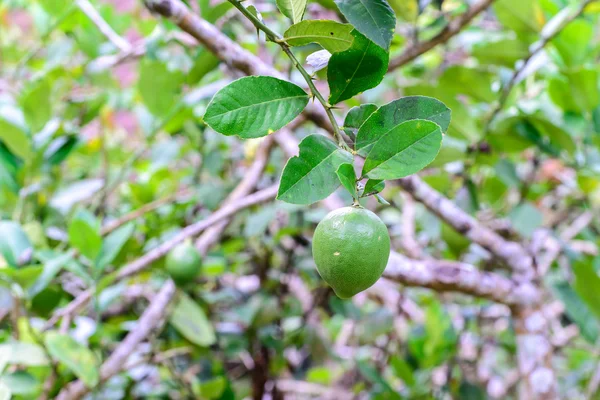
88 9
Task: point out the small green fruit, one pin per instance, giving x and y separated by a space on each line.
351 247
183 263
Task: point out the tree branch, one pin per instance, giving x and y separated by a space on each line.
88 9
513 254
450 276
454 27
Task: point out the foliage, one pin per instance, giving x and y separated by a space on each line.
118 135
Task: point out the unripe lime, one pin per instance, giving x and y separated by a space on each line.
183 263
351 247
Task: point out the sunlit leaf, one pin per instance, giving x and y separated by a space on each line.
255 106
311 176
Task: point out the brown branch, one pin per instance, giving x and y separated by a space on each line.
513 254
453 28
408 240
451 276
148 322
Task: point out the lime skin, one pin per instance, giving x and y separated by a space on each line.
351 247
183 263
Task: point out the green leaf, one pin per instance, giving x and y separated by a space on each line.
402 370
404 150
391 115
205 62
24 276
526 218
474 82
573 42
578 311
36 104
51 268
78 358
575 90
347 176
373 18
293 9
190 320
356 117
523 17
158 86
373 186
14 243
311 176
112 245
84 234
60 149
587 284
505 52
213 388
21 383
331 35
27 354
357 69
255 106
13 131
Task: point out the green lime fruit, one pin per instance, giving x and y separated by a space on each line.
183 263
351 247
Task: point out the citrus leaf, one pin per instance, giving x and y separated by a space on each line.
84 234
158 86
520 16
347 177
293 9
373 186
331 35
373 18
191 322
391 115
36 104
112 245
21 353
51 268
404 150
311 176
74 356
578 311
13 131
255 106
357 69
587 284
14 243
356 117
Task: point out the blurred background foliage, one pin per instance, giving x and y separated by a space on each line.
90 132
